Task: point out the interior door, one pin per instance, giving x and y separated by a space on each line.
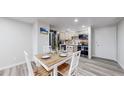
105 43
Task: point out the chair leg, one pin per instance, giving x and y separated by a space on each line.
55 71
37 64
51 73
75 72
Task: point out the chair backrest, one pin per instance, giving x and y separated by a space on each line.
47 49
63 48
70 48
29 66
74 62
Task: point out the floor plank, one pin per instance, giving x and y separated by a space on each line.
94 67
100 67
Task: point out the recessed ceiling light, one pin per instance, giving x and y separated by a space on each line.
83 26
76 20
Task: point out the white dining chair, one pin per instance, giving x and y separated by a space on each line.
70 69
29 66
36 71
63 48
70 49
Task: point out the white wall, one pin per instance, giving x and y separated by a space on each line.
15 37
39 40
43 39
120 47
89 42
105 42
35 38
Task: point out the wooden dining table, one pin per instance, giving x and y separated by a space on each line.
52 62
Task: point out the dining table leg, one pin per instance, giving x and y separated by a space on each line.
55 71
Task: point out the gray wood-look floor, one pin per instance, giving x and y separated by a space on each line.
94 67
99 67
20 70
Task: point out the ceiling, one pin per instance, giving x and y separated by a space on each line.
67 23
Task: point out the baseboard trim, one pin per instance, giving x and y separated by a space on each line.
13 65
104 58
122 66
